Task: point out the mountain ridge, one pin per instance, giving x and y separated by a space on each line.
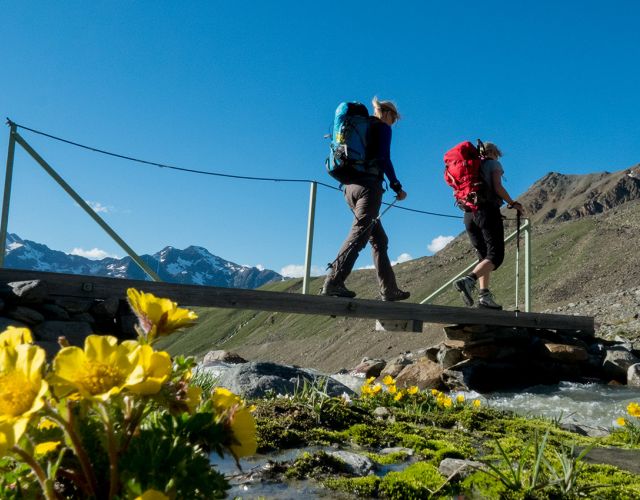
193 265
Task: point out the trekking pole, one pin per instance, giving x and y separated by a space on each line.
365 232
517 257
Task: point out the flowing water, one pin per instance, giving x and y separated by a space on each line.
590 405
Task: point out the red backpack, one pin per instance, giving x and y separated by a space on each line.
462 172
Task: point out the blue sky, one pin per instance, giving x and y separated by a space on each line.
249 88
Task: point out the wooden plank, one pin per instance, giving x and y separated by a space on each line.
195 295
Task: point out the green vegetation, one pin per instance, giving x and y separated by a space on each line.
523 458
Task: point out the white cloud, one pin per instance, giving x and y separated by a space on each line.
99 207
403 257
297 271
93 254
370 266
439 242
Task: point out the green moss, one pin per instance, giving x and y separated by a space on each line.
315 465
418 481
282 424
481 485
608 482
334 414
389 458
374 435
364 487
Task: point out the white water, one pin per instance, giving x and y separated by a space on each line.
590 405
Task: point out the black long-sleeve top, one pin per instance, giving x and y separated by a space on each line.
379 150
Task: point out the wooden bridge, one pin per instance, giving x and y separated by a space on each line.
71 285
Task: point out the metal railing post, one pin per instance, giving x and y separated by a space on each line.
83 204
6 198
309 249
527 266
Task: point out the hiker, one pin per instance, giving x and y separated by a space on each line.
486 230
363 193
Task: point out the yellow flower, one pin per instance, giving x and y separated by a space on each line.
158 317
392 389
152 495
399 395
435 392
370 380
46 423
460 398
237 418
447 403
413 390
621 421
365 390
634 409
376 389
388 380
476 403
13 336
152 367
47 447
98 372
22 390
193 398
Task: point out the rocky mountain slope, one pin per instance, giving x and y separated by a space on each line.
193 265
585 236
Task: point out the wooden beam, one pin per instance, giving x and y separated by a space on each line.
194 295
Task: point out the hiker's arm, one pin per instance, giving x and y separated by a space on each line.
383 157
502 192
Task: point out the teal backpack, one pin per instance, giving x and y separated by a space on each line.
347 152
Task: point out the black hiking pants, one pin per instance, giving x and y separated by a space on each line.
486 233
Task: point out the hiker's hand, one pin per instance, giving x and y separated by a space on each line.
401 195
518 207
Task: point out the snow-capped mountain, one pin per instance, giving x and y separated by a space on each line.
193 265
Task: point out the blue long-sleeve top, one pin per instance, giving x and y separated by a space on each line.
379 150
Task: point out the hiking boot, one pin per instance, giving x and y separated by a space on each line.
487 300
465 286
395 295
336 290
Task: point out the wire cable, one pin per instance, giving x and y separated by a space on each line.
205 172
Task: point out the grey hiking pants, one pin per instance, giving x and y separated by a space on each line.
365 202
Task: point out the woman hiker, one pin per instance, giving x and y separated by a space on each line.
486 231
363 193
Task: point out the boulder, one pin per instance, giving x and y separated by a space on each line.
447 357
424 373
356 464
105 309
369 368
565 353
52 311
396 365
617 362
7 322
74 331
633 375
29 292
258 379
224 356
25 315
457 468
74 305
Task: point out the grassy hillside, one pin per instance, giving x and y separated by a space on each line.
572 260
